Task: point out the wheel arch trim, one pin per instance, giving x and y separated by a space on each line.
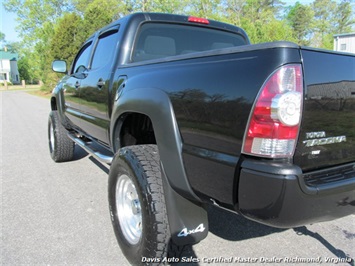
156 104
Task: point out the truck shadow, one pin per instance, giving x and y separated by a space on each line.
238 228
79 153
337 252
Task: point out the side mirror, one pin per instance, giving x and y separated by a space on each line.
59 66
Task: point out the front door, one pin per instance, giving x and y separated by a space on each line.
72 86
94 92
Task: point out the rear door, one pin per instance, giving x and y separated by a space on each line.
327 136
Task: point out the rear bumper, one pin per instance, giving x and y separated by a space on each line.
276 195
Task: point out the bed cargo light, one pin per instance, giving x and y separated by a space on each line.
274 123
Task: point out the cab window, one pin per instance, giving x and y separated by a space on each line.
82 59
105 48
158 40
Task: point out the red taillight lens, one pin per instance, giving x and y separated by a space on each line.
198 20
275 119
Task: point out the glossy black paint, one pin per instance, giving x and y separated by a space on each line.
272 194
329 107
212 110
94 96
199 104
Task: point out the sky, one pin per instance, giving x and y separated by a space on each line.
8 20
8 24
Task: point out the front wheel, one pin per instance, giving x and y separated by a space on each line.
137 206
61 147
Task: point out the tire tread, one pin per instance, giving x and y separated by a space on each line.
64 146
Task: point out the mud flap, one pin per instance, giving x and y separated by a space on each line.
188 221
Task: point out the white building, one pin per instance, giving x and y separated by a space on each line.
8 67
344 42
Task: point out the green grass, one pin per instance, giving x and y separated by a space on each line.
20 87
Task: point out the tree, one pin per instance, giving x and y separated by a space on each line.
24 69
67 39
14 47
56 28
324 15
37 19
33 14
172 6
42 55
234 11
256 9
206 8
323 21
2 37
331 18
98 14
344 20
260 20
300 17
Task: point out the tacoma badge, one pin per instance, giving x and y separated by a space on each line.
319 138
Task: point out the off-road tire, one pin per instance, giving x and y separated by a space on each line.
61 147
142 165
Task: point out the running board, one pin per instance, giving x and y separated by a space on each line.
86 146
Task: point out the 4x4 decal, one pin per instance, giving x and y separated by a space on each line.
185 232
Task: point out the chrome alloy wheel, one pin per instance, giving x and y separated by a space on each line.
128 209
51 137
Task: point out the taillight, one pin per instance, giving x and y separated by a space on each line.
198 20
275 119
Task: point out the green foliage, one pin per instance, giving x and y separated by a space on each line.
55 29
210 9
67 38
343 17
331 18
98 14
24 69
2 36
324 19
259 19
300 18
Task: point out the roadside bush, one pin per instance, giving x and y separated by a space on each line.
2 83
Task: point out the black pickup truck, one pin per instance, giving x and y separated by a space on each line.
188 113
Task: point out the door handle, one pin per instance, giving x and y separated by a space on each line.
100 83
77 85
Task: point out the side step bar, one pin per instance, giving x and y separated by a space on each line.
86 146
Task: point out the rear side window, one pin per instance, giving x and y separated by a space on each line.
157 40
104 49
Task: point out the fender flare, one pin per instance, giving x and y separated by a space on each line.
156 104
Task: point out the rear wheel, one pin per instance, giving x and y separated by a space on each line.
61 147
137 206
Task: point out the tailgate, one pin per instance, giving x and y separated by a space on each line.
327 136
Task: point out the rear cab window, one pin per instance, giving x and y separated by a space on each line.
159 40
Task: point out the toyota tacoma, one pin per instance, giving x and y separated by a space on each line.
188 113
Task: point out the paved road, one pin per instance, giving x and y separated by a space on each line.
54 214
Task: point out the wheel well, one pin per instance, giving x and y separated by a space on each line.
135 129
53 104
